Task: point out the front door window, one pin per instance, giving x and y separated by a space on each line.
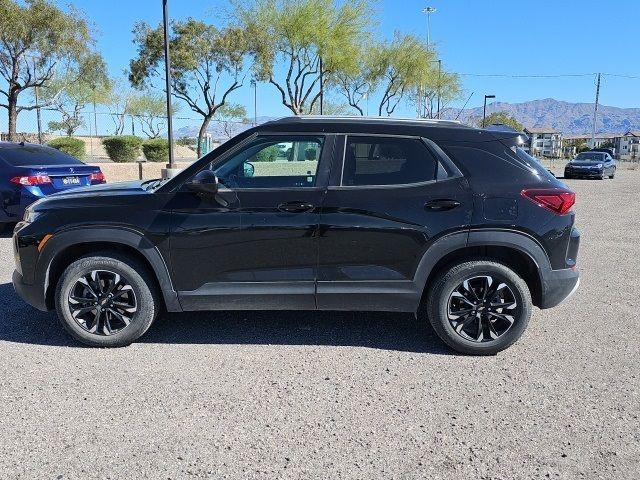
273 162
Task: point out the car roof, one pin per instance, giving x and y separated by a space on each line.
431 128
14 145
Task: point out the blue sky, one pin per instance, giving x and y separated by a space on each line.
508 37
477 37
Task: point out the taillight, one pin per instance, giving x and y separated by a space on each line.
31 180
97 177
558 200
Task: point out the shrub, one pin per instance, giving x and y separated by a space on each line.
269 154
72 146
125 148
156 150
310 154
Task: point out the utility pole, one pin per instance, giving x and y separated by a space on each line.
595 114
167 72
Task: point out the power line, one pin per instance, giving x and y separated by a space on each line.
507 75
557 75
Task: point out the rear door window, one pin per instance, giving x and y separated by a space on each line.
36 155
387 161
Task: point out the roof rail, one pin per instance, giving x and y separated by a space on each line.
360 118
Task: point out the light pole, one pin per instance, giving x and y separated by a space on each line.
254 85
429 11
484 110
167 72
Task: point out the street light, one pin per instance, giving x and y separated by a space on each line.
429 11
167 72
484 111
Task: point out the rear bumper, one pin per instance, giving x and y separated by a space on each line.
32 294
557 286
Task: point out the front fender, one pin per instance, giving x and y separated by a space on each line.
113 235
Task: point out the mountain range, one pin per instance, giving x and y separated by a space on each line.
566 117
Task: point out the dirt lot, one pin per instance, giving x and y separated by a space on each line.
306 395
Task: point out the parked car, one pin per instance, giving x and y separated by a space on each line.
30 172
451 223
591 164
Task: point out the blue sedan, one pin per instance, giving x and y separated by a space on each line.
30 172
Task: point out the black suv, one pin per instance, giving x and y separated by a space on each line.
455 224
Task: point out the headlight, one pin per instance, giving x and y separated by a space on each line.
599 165
30 216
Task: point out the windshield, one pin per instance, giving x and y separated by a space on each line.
590 156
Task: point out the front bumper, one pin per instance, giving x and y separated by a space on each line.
583 173
32 294
558 285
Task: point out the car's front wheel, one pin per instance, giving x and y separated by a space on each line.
479 307
613 173
106 300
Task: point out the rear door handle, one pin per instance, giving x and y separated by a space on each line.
295 207
440 205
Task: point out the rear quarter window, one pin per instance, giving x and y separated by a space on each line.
36 155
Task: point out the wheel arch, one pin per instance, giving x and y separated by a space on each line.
66 247
514 249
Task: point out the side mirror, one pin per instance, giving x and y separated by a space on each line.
204 182
248 169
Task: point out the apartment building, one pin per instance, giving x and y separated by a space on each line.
544 142
628 145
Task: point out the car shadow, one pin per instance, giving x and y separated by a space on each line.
7 231
20 323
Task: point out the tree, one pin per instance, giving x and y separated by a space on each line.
36 40
502 117
206 64
331 108
403 65
229 116
151 112
442 85
70 93
118 103
312 39
356 86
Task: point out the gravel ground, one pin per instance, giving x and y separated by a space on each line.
305 395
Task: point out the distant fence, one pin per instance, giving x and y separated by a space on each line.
100 124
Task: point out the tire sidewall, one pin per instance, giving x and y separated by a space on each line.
439 304
142 318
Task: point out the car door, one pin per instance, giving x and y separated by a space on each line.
255 246
383 209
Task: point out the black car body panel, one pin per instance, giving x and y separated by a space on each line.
330 239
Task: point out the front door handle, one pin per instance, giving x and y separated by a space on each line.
295 207
441 205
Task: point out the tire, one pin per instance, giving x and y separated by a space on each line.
135 291
443 297
613 174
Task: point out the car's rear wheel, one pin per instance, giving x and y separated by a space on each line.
106 300
479 307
